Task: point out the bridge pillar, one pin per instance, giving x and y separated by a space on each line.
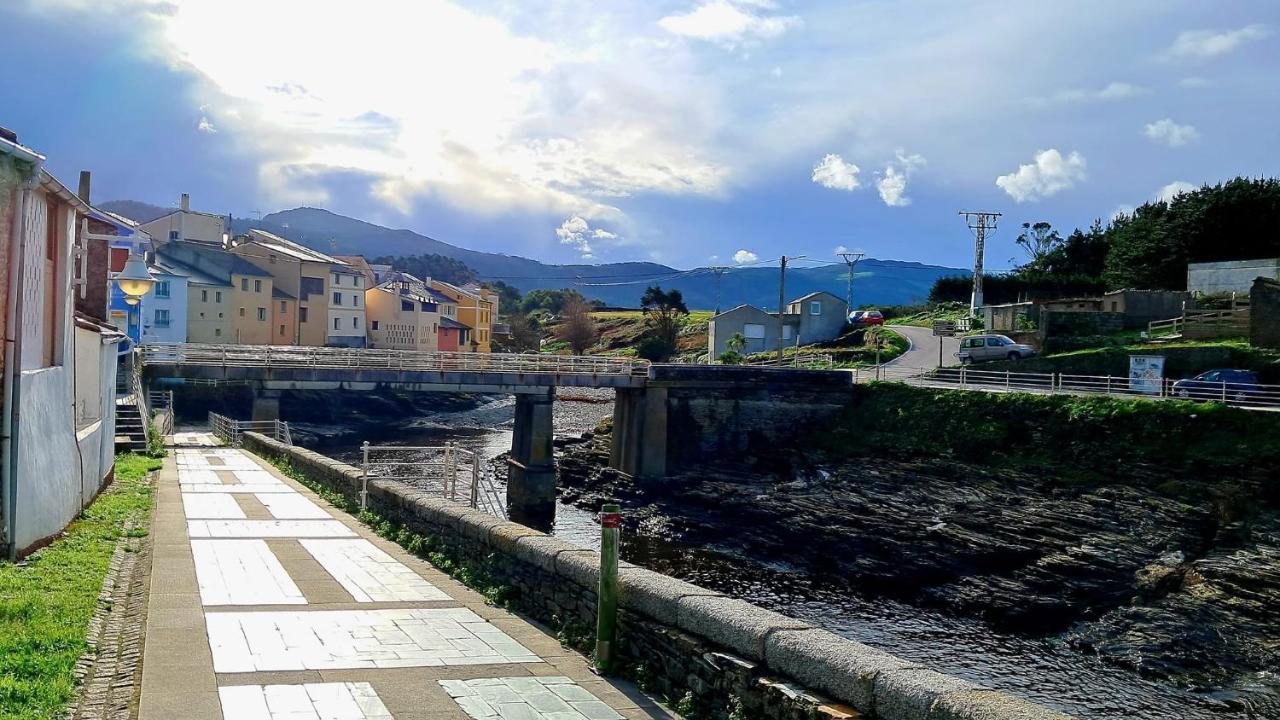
640 432
266 405
531 471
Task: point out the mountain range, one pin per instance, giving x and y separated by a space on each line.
876 282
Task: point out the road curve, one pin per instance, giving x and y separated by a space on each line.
924 348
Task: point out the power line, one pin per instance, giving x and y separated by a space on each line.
782 291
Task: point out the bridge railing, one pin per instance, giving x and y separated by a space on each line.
229 430
1245 395
291 356
436 469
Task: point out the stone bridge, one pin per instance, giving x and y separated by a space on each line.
666 418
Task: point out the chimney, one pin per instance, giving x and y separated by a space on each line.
84 186
186 203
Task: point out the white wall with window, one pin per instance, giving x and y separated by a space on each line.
347 321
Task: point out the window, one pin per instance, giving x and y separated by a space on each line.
337 279
271 259
244 284
786 332
162 318
1115 305
815 307
283 307
204 296
162 289
375 324
241 312
281 331
753 331
356 280
337 298
262 314
173 234
217 332
217 296
406 305
220 316
257 286
355 323
336 326
311 286
302 314
355 300
201 316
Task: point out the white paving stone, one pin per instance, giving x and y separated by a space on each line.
292 506
242 572
193 476
237 488
267 529
308 701
532 698
354 639
370 574
211 506
253 476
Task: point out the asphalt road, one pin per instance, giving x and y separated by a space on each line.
924 348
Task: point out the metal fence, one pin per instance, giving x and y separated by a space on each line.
229 430
452 471
1244 395
371 358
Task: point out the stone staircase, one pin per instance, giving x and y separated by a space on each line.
131 431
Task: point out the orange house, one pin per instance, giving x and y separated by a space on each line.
453 335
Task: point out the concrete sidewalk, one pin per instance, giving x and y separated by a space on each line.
266 603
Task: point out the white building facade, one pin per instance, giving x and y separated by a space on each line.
347 317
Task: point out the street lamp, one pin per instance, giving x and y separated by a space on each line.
134 280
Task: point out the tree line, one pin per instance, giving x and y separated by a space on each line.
1147 249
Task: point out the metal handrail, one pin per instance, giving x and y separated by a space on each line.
435 468
372 358
229 430
1243 395
797 360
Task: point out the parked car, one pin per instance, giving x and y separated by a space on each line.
866 317
980 348
1222 384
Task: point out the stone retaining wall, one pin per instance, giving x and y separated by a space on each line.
681 638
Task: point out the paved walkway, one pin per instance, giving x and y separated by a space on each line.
269 604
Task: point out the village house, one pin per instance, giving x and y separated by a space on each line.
347 316
58 368
816 317
477 310
304 278
405 314
228 298
187 225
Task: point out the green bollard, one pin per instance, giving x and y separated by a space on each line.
607 593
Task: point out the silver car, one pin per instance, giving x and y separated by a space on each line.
981 348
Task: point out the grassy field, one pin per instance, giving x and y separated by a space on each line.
47 600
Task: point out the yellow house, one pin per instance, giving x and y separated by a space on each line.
405 314
228 298
477 309
299 272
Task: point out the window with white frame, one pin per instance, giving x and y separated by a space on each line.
753 331
161 318
815 307
162 289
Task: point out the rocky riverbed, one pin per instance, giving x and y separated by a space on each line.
1183 589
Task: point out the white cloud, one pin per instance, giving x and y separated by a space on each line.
1195 82
1049 174
205 126
1174 189
577 233
1112 91
1168 132
728 22
1205 44
776 71
742 257
834 173
892 183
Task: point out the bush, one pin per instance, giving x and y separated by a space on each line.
655 349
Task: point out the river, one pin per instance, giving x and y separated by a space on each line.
1043 670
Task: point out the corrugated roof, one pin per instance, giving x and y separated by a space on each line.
290 248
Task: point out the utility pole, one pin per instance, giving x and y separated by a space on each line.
718 271
851 259
980 223
782 298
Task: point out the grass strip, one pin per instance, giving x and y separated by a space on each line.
47 600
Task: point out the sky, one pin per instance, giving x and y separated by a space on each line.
686 132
